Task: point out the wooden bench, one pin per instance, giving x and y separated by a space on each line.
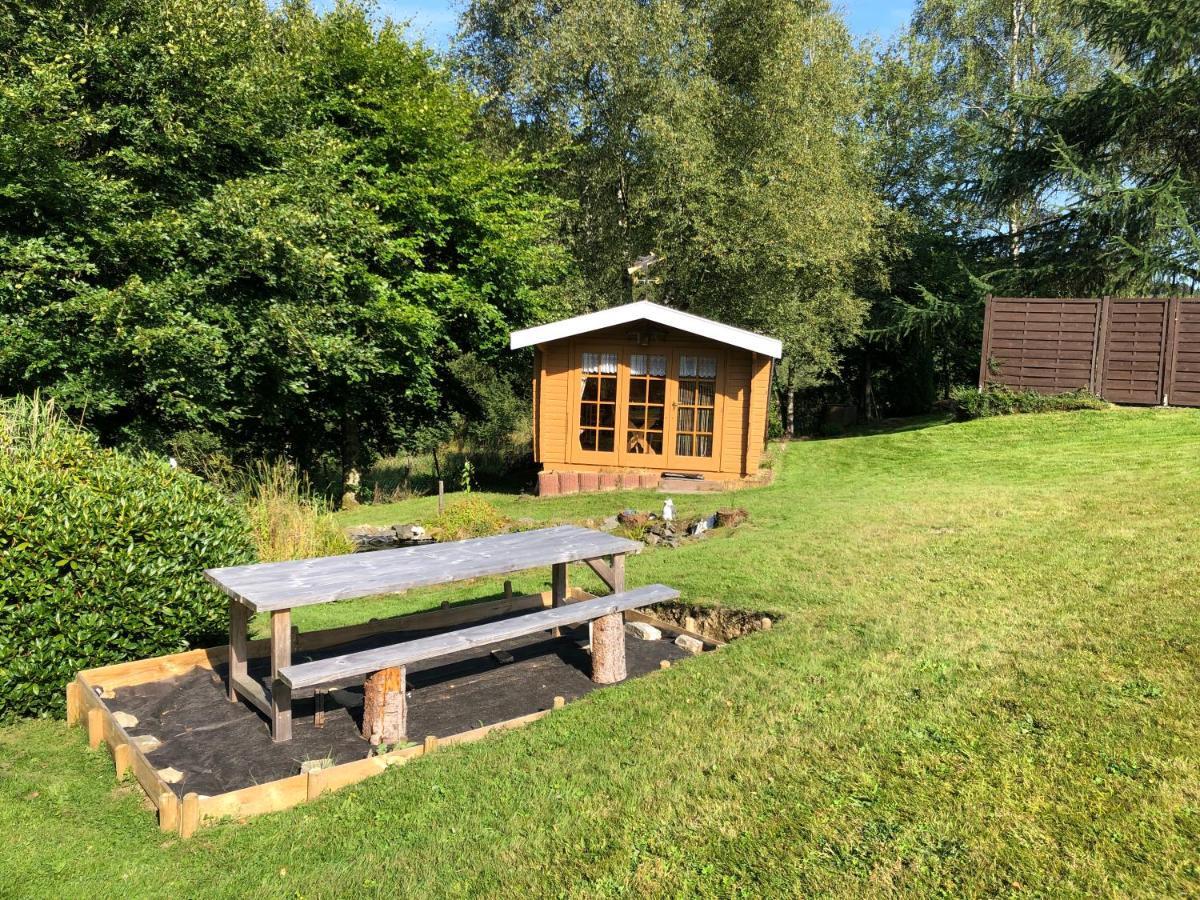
278 588
384 712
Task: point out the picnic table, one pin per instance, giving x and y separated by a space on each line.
278 588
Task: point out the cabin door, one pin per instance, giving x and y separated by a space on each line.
695 383
644 413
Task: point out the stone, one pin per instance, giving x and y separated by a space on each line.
643 630
125 720
632 519
568 482
547 484
147 743
690 644
315 765
502 656
170 775
350 500
689 623
651 538
766 623
409 532
610 523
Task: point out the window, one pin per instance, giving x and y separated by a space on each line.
598 403
696 409
646 415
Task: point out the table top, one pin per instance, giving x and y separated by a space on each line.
303 582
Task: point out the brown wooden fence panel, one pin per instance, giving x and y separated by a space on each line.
1045 344
1183 380
1135 348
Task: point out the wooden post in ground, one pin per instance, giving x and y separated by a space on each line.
189 815
558 589
385 713
239 617
95 726
441 496
608 634
281 656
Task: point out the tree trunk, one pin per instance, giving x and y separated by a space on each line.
608 649
385 713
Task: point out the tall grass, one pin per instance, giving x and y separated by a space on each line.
287 520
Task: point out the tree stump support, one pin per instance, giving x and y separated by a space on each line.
608 634
385 710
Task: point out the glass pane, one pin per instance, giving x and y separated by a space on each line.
704 393
590 386
608 415
655 441
683 444
605 442
687 366
637 391
637 442
587 439
704 421
654 417
658 366
608 363
591 362
687 393
707 367
637 364
608 389
637 417
687 419
703 445
587 414
658 392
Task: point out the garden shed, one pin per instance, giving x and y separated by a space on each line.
650 389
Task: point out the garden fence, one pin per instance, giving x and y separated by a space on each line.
1134 350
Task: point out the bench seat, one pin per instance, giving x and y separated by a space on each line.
366 662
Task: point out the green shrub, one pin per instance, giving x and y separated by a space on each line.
287 521
998 400
101 556
468 518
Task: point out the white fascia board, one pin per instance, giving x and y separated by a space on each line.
644 310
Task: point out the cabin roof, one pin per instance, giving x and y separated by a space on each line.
644 310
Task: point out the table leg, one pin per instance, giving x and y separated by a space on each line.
558 588
281 694
608 633
239 619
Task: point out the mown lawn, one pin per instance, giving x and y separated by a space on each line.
986 680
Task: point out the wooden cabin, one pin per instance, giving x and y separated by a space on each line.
646 388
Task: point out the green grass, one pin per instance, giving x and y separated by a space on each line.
985 681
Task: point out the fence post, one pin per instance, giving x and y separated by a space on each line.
987 341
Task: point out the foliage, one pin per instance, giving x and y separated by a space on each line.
287 520
496 410
102 556
470 517
725 137
1121 157
249 221
998 400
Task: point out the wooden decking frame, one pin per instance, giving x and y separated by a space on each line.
86 706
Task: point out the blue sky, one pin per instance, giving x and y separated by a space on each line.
435 20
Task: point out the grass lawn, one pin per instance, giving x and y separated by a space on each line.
986 680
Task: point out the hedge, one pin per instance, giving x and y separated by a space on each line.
101 557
